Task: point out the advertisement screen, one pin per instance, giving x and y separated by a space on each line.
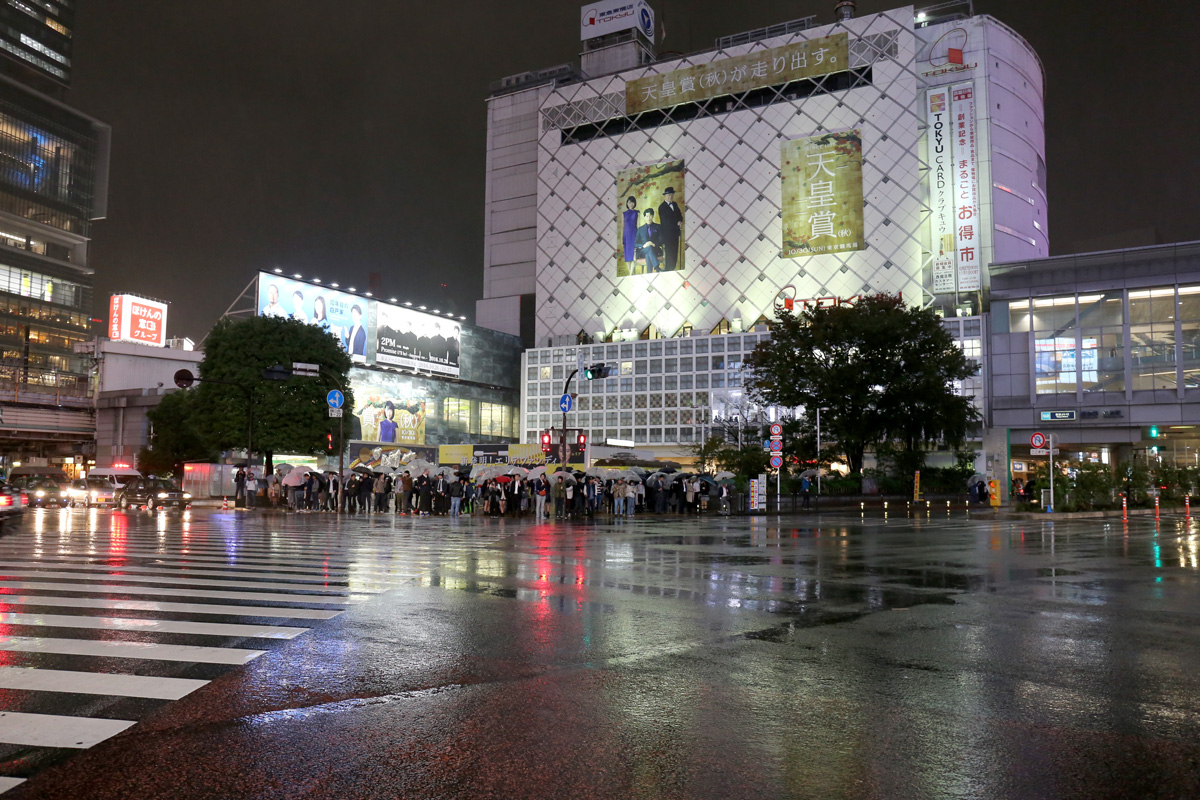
822 194
389 408
410 339
138 320
652 204
341 315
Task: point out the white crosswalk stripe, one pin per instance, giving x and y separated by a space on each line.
138 605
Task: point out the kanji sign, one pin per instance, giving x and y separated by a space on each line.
136 319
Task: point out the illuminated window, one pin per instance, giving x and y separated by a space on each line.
497 420
457 414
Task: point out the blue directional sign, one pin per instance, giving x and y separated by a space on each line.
565 403
335 398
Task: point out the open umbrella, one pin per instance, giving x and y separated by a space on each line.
382 469
722 475
976 478
296 477
284 469
504 479
808 473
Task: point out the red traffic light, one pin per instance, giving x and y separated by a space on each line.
582 440
547 444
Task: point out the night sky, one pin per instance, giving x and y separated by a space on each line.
335 138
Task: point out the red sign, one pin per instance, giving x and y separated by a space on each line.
1037 440
136 319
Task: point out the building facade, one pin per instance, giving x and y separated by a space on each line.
53 185
900 153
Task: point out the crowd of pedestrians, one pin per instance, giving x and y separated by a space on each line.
448 494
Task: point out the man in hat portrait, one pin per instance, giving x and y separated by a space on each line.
670 220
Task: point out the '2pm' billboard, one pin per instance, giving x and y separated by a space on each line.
371 332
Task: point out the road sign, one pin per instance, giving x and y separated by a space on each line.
776 445
335 399
184 378
1042 451
301 369
335 412
565 403
1037 440
1058 416
776 430
776 462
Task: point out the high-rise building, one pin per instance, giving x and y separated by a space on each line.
659 212
53 185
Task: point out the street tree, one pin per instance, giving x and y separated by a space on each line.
174 436
288 415
878 370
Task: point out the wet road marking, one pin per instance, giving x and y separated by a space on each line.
150 605
215 555
51 730
197 654
8 783
103 683
170 592
316 579
153 626
115 574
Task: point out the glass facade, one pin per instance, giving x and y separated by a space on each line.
659 392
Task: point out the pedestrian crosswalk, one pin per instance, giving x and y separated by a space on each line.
95 624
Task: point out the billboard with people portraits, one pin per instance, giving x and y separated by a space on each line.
651 217
389 408
341 315
411 340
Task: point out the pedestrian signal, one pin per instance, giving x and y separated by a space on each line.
547 442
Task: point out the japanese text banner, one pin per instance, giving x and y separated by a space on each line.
739 74
965 150
822 194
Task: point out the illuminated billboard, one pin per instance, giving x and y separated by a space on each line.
822 194
341 315
138 320
600 19
390 408
411 340
650 220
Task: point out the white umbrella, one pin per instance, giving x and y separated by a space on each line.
977 478
722 475
284 469
296 477
533 473
519 472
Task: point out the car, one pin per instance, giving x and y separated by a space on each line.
91 492
46 493
152 493
13 503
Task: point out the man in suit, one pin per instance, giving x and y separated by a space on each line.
670 219
356 338
649 240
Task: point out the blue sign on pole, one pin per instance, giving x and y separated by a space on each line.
565 403
335 398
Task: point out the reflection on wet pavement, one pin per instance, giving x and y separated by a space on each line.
842 656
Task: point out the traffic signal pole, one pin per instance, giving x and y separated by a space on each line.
562 449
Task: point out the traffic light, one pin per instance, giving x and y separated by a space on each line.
1153 431
581 440
594 371
329 441
547 442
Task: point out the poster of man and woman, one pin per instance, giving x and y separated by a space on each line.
650 220
341 315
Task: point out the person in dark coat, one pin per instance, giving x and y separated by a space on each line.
425 492
670 220
649 241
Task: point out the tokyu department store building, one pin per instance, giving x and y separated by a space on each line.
654 213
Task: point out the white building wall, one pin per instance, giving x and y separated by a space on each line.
734 269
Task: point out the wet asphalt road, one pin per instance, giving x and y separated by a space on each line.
927 657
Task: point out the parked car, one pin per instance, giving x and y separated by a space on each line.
152 493
46 493
12 505
91 492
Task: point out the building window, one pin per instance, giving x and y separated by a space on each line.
1055 354
1102 342
1152 338
1189 316
497 420
457 414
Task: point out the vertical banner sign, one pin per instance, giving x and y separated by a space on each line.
754 490
941 195
966 186
822 194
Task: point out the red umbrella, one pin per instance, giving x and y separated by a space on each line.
504 478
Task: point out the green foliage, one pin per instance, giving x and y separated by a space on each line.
706 453
1092 487
175 437
885 372
289 416
751 459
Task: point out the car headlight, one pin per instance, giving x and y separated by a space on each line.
62 494
95 494
40 493
162 495
187 496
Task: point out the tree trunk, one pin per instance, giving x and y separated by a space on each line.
268 463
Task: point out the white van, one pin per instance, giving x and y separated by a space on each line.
117 476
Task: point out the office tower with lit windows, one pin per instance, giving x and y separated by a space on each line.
53 185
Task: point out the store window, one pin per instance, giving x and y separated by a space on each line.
497 420
1189 342
1102 342
1152 338
1055 354
457 414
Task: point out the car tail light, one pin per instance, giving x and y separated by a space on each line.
5 500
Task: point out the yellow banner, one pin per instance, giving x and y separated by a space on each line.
822 194
739 74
